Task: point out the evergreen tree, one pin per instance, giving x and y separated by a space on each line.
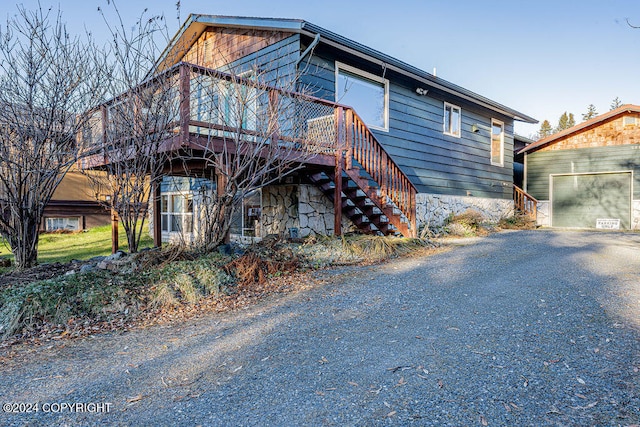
591 112
616 103
545 130
562 122
566 121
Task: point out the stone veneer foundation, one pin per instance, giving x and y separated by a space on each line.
432 210
301 206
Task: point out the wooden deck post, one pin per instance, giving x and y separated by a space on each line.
185 103
114 231
349 138
221 183
156 199
337 194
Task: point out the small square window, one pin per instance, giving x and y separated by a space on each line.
629 121
452 118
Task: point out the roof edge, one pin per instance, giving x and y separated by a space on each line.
304 27
626 108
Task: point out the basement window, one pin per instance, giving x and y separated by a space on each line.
176 211
71 224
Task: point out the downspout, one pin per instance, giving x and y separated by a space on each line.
313 44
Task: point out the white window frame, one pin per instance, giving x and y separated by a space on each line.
501 124
444 121
365 75
171 212
65 220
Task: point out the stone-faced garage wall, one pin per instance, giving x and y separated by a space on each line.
302 206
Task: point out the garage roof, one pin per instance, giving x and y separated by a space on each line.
627 108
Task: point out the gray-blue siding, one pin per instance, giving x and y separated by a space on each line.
435 162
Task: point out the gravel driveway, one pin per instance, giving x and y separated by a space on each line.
520 328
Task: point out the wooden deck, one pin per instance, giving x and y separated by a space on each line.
327 136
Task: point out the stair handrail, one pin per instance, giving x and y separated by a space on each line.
363 147
525 202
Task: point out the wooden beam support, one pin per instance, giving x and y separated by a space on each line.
337 193
185 103
221 184
114 231
157 215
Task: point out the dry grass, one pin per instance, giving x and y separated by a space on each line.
470 223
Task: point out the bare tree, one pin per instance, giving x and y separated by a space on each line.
129 131
48 78
253 129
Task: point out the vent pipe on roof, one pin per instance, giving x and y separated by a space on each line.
434 72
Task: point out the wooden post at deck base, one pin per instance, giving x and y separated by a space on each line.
337 198
221 184
114 231
337 194
157 216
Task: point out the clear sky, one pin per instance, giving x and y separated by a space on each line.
541 57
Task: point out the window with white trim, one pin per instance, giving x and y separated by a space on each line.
176 211
497 143
452 119
72 224
367 93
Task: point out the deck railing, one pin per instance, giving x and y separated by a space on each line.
525 203
210 104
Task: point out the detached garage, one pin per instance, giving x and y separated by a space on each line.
588 176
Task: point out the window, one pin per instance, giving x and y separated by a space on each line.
246 221
451 120
53 224
629 121
176 210
367 93
497 143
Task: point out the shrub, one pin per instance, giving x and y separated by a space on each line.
467 224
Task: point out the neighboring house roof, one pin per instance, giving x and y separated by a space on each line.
196 24
522 141
627 108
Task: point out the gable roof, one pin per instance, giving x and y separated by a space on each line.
196 24
627 108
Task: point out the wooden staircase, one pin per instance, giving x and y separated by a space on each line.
525 203
366 183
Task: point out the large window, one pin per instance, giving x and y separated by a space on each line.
497 143
367 93
452 119
177 213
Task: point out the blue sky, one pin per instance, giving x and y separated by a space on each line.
541 57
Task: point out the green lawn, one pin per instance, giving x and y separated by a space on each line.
96 241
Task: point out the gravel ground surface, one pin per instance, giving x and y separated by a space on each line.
520 328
